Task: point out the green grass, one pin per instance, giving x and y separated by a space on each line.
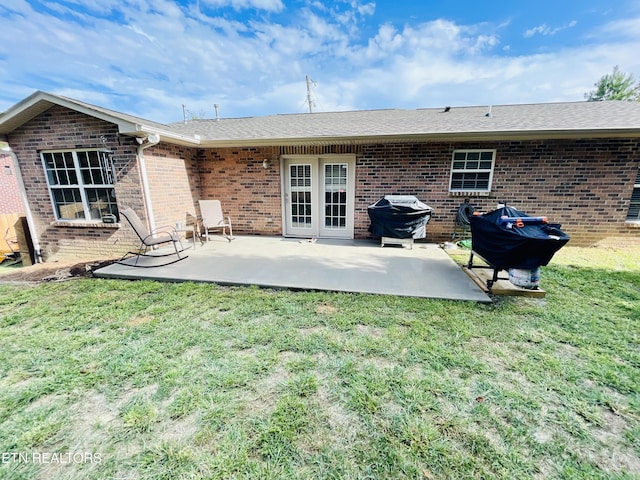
185 381
8 266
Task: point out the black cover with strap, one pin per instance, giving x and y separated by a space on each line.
504 245
399 216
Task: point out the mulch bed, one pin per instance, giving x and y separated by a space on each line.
53 272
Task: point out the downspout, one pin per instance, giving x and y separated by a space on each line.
37 254
152 140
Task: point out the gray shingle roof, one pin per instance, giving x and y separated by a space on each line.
542 120
545 120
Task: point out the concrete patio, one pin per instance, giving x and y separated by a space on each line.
333 265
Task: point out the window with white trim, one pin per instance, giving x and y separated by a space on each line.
472 170
81 184
633 215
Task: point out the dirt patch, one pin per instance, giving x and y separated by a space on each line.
380 363
312 331
326 309
139 320
265 392
337 417
369 331
179 430
54 271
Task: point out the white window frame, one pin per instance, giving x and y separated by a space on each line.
465 170
81 187
634 193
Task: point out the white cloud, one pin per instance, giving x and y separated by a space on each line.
545 30
387 41
365 9
269 5
447 37
141 32
423 43
163 55
320 28
628 27
352 13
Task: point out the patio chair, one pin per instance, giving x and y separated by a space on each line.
152 239
212 219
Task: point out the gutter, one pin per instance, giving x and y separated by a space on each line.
471 136
151 140
37 254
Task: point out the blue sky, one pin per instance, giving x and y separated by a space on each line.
150 57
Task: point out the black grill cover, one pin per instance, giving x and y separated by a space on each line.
527 247
399 216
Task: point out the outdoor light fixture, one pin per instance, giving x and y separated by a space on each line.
266 163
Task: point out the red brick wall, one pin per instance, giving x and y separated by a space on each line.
585 185
59 128
173 178
250 194
10 201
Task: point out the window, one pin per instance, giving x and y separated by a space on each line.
81 184
471 170
633 215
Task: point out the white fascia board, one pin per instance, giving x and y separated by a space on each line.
138 130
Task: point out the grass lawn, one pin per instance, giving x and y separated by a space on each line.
106 379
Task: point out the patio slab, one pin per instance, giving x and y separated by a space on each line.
334 265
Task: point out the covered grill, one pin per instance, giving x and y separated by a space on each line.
399 217
509 239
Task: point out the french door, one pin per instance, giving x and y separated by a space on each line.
319 196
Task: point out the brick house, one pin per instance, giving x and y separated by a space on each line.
313 175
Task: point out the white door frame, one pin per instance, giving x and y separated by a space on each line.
319 225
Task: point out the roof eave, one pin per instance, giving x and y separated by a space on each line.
425 137
139 130
39 102
24 111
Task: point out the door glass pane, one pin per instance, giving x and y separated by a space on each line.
335 195
301 205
